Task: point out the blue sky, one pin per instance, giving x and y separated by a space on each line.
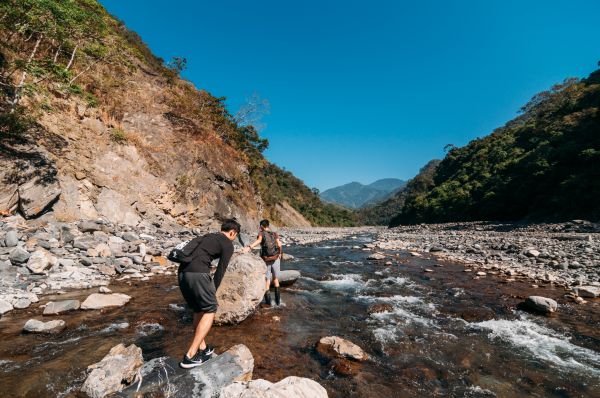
362 90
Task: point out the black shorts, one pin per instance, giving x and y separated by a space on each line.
198 290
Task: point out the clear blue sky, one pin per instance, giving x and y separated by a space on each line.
362 90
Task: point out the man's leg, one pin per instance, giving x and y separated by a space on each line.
197 317
205 322
276 270
268 285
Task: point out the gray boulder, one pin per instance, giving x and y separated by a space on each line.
96 301
290 387
89 226
58 307
115 371
35 326
163 375
241 290
539 304
588 291
5 306
84 242
37 195
19 255
288 277
40 261
22 303
11 239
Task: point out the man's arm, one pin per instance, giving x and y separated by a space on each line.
222 266
279 245
255 243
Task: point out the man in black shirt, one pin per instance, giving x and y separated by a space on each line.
199 288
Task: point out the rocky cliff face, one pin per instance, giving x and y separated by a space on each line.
117 136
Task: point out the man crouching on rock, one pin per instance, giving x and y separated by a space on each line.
199 287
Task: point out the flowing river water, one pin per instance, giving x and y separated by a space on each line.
443 333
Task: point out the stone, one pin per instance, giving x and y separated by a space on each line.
37 196
84 242
382 307
376 256
164 374
11 239
96 301
288 277
241 290
532 253
104 289
115 207
9 196
58 307
40 261
67 234
103 250
287 257
481 273
434 249
5 306
539 304
290 387
19 255
588 291
341 347
89 226
22 303
130 236
116 370
35 326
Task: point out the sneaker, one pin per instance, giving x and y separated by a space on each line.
196 360
209 350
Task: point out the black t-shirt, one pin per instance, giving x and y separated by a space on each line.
210 247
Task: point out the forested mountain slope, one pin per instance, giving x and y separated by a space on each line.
92 124
543 165
355 195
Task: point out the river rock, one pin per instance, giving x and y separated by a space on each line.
540 304
96 301
36 196
115 371
11 239
287 257
35 326
5 306
164 374
19 255
40 261
532 253
241 290
376 256
341 347
288 277
588 291
380 307
58 307
89 226
21 303
290 387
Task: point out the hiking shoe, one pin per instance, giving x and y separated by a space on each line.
209 350
197 360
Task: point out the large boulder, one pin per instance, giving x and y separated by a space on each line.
116 370
164 377
37 195
35 326
241 290
290 387
96 301
288 277
58 307
539 304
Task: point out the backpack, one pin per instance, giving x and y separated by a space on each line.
183 253
268 245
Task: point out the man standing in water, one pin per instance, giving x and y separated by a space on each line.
271 252
199 287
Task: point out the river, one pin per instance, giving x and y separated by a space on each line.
443 333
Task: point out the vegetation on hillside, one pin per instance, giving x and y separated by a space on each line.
543 165
74 48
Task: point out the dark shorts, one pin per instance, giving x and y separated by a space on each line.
198 290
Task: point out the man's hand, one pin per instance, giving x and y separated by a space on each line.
246 249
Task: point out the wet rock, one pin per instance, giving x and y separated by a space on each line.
40 261
241 290
588 291
19 256
288 277
539 304
287 257
35 326
36 196
5 306
11 239
164 374
341 347
378 308
376 256
89 226
290 387
115 371
97 301
58 307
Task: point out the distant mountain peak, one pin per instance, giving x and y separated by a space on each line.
356 195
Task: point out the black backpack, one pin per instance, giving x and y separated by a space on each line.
183 253
268 245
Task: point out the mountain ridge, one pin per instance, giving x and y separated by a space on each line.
355 194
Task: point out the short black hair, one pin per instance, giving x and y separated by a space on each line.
264 223
231 224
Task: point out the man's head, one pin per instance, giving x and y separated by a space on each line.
264 224
231 228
